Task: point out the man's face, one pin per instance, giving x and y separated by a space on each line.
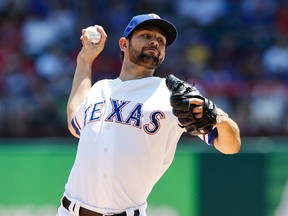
147 47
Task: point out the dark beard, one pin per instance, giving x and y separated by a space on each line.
148 61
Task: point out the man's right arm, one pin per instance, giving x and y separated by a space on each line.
82 80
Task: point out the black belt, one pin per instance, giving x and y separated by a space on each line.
86 212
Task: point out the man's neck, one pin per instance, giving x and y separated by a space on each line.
132 71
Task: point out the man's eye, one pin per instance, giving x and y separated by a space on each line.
146 36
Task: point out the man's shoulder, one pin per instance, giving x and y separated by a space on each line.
103 82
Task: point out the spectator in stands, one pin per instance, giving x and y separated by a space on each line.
275 59
202 12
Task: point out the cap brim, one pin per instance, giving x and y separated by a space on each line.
168 28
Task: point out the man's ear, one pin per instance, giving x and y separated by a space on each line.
123 43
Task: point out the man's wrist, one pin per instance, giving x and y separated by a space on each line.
222 117
85 58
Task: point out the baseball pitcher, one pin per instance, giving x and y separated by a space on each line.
128 127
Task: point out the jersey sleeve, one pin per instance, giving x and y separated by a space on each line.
77 121
210 137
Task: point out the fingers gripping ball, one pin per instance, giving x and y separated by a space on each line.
181 92
93 34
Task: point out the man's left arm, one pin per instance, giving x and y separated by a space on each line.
201 117
228 140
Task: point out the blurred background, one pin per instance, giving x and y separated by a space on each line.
236 52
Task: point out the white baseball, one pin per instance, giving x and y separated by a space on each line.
94 34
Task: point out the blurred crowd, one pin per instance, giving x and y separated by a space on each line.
236 53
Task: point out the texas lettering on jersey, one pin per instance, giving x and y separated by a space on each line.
134 117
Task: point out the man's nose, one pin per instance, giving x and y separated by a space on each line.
154 43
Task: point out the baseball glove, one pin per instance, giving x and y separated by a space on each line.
181 92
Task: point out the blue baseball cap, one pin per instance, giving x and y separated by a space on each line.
152 19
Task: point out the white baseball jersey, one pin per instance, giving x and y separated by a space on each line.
128 140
